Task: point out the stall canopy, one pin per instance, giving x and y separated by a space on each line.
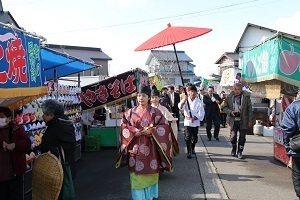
57 64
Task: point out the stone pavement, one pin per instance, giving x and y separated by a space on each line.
211 174
258 176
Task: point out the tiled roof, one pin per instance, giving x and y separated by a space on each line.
231 55
85 53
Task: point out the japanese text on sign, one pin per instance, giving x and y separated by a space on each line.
109 91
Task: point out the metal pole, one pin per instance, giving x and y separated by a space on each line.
182 81
78 79
55 80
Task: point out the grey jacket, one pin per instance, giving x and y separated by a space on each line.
246 109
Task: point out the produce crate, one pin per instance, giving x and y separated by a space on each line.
109 136
92 143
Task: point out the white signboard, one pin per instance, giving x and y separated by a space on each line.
230 77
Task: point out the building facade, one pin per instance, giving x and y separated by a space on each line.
163 64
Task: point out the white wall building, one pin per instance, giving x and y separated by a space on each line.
163 64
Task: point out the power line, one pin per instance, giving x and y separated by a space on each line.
160 18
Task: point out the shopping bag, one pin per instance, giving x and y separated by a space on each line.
67 190
295 143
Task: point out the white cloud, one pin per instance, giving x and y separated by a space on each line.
289 24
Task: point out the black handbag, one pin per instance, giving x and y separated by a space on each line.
67 190
295 143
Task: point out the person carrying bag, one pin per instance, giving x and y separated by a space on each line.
67 190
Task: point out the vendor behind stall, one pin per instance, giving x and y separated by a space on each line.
15 143
87 120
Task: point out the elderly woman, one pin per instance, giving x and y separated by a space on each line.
60 132
15 143
145 146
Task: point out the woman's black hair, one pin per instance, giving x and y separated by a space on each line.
6 111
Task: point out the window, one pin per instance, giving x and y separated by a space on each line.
186 81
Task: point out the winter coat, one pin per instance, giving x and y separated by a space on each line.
60 133
291 124
246 109
211 108
22 146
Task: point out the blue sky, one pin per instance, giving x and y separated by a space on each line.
119 26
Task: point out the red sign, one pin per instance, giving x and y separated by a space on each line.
112 89
279 149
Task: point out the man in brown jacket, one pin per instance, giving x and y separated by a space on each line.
238 107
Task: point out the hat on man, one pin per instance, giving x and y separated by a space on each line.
144 89
193 88
297 91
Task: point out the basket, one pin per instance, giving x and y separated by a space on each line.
92 143
47 177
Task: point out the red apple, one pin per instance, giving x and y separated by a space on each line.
289 61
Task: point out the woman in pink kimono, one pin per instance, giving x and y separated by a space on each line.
145 146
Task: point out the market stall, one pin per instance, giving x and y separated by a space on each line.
115 95
272 70
21 77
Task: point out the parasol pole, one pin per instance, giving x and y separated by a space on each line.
184 89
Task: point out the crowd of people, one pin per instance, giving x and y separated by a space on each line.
149 130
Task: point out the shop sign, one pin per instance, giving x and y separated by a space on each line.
230 77
20 61
278 58
112 89
155 80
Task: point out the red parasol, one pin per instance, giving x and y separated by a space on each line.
173 35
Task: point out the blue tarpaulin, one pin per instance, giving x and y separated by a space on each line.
64 64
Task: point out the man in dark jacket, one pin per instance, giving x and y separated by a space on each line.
165 99
238 107
174 100
290 128
15 143
60 133
212 112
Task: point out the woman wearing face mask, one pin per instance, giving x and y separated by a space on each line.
144 146
15 143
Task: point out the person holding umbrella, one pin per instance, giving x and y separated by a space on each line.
191 124
144 146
